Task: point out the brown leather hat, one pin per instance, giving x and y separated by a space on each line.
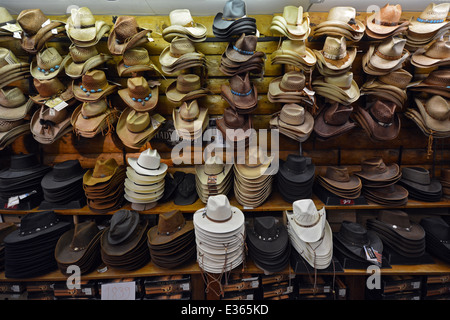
231 120
241 93
171 225
340 178
243 49
333 120
126 34
374 169
380 120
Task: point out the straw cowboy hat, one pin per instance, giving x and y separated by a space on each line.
335 55
182 24
341 21
190 118
48 64
48 126
389 54
134 60
437 54
435 112
52 89
386 22
294 23
140 94
296 50
82 28
293 120
186 87
13 104
433 18
83 59
339 88
93 86
126 34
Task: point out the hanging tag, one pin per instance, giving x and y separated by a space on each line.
17 35
212 180
372 256
46 23
55 31
53 102
60 106
155 123
52 112
12 27
309 92
13 201
10 59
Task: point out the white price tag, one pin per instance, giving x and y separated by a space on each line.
13 201
60 106
55 31
12 27
119 291
46 23
87 291
185 286
17 35
248 208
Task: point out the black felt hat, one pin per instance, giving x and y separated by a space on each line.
63 175
296 169
186 193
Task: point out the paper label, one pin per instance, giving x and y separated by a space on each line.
87 291
309 92
55 31
56 103
185 286
346 202
119 291
13 201
373 255
17 35
10 59
60 106
12 27
46 23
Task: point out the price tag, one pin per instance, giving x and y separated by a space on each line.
13 201
248 208
309 92
87 291
185 286
17 35
155 123
346 202
12 27
212 180
119 291
55 31
373 255
46 23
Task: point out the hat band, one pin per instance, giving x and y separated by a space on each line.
148 168
310 225
430 21
188 120
386 23
396 227
168 233
88 92
383 124
334 56
385 57
46 72
268 238
142 101
51 224
241 94
205 214
243 51
83 27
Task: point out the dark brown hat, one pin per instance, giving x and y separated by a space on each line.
243 49
333 120
126 34
374 169
241 93
231 120
381 120
171 225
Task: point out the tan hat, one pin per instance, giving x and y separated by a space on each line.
437 54
190 118
182 24
186 87
386 21
82 28
48 64
389 53
298 50
294 23
13 104
213 172
294 120
134 60
103 171
49 89
291 83
48 125
343 88
435 112
93 86
431 19
140 94
6 17
398 78
126 34
255 164
334 54
92 118
180 49
83 59
342 21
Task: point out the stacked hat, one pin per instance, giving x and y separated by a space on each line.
14 108
241 56
92 118
293 24
295 178
310 233
436 54
183 25
190 120
386 22
235 128
420 185
82 59
241 94
431 24
437 237
185 88
233 21
20 184
82 28
126 34
141 94
268 244
179 55
253 177
37 29
144 184
335 58
293 121
391 87
295 53
399 233
185 193
445 182
220 235
342 88
103 186
213 178
432 116
136 128
172 241
63 186
11 68
379 182
124 242
8 25
435 83
379 120
135 61
30 250
289 88
48 125
356 243
385 57
339 181
333 120
341 21
79 246
5 229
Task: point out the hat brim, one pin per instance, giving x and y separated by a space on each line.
138 106
76 70
41 76
430 122
202 222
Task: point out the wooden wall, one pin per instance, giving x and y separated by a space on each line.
410 148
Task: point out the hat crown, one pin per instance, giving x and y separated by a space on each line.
305 212
213 166
438 108
95 108
122 225
34 222
440 77
125 27
170 222
293 114
293 81
94 79
241 84
49 87
234 9
265 227
439 50
181 17
104 168
293 15
31 20
393 47
66 170
82 18
188 82
297 163
82 54
388 15
189 111
138 87
435 11
254 156
218 208
49 58
298 47
395 218
12 98
398 78
53 117
180 46
136 56
340 174
137 121
149 159
246 43
337 114
5 16
23 161
83 234
374 165
383 111
343 14
343 81
335 48
233 119
354 233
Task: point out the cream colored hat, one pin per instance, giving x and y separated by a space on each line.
389 53
335 55
435 112
294 23
431 19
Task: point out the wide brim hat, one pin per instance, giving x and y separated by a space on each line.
181 124
305 128
77 70
274 246
329 90
415 232
138 39
176 96
340 64
374 241
426 28
203 224
384 64
48 182
382 29
86 37
133 162
125 71
224 24
116 250
35 73
378 131
16 113
295 177
310 233
429 121
308 59
156 239
82 96
218 178
168 61
325 130
138 106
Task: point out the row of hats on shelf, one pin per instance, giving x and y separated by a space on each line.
146 181
219 237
